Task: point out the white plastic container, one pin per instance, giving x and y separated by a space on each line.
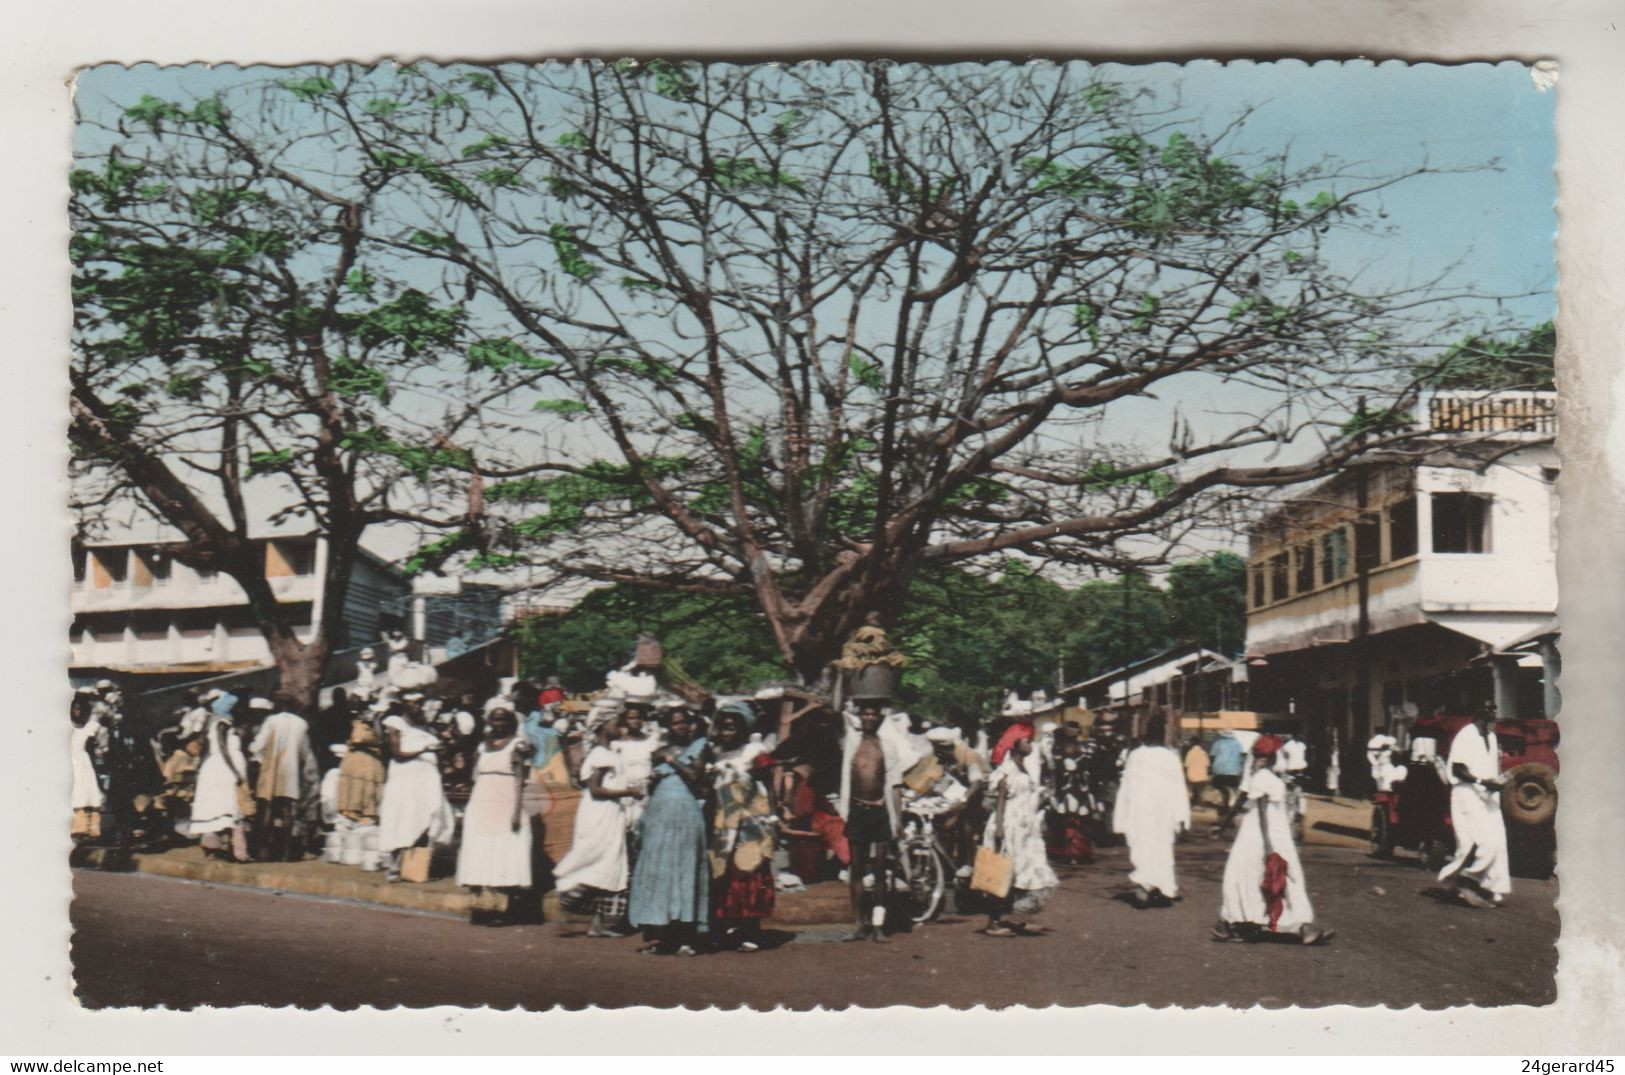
350 848
373 861
333 849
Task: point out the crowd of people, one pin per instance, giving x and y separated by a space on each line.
657 814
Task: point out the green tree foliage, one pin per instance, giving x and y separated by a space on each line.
249 330
1207 602
970 638
1493 362
889 304
834 327
722 640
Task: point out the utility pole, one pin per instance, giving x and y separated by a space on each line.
1361 730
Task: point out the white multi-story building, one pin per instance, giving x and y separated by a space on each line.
139 612
1385 591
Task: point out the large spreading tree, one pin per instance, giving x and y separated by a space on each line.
791 333
256 354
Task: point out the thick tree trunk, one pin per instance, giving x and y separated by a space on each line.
878 592
301 666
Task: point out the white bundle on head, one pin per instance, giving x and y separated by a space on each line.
1018 707
636 685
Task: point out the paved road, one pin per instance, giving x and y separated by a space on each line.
144 941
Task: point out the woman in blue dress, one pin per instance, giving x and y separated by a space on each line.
670 880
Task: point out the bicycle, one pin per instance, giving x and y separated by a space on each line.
919 861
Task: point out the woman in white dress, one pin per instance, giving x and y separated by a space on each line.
217 804
596 870
495 852
1247 911
1016 829
86 792
414 811
636 746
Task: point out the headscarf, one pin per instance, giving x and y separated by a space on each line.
603 709
224 704
1267 746
744 711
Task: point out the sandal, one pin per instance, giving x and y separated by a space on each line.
999 931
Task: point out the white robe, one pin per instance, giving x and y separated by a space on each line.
414 801
214 802
1153 805
1475 812
1241 892
597 856
86 793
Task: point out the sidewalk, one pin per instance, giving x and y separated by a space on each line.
822 904
1328 821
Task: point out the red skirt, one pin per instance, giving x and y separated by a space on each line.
740 896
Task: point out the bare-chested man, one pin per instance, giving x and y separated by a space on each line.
868 824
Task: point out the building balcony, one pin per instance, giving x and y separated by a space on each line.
1499 415
1481 594
219 591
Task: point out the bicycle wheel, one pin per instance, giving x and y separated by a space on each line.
927 877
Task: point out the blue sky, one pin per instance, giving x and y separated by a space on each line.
1385 116
1378 118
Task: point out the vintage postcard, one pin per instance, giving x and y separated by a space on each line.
671 533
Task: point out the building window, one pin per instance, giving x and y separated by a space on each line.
116 562
1461 522
1257 573
80 557
301 557
1402 528
1305 555
1367 541
150 626
1279 576
285 558
158 564
1334 555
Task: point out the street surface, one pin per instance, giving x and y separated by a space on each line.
142 940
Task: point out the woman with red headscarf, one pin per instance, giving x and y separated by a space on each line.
1263 890
1016 829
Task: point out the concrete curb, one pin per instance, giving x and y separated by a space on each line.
821 905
